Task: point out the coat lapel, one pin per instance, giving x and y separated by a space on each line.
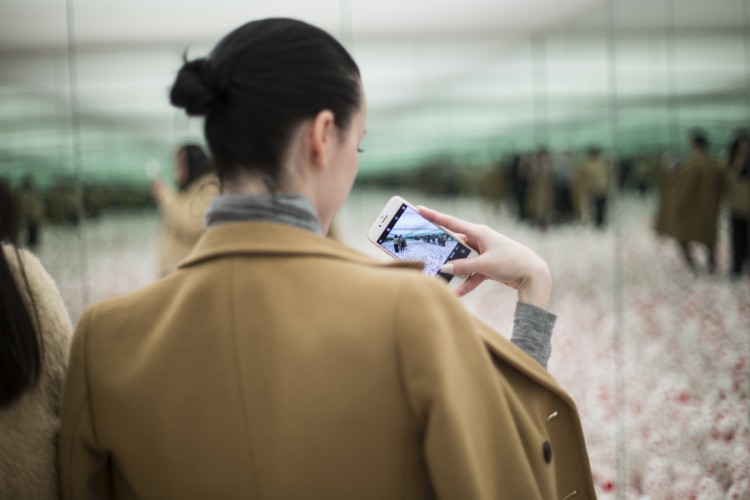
269 238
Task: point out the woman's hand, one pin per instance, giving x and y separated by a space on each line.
158 188
500 259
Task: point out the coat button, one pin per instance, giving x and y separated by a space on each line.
547 449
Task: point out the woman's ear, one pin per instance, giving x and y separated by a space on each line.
322 132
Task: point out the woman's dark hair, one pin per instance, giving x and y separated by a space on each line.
20 344
258 83
197 163
699 139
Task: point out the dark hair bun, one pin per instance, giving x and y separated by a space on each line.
195 88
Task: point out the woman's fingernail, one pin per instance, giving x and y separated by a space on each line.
447 268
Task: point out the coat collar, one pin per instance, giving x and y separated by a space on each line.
271 238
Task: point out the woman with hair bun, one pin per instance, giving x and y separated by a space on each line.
279 364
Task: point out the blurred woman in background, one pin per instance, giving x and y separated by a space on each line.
35 335
182 209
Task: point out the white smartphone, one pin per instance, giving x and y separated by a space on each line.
403 234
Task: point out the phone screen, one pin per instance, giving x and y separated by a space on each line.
409 236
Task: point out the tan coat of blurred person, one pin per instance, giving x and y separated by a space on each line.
699 185
666 214
541 196
278 364
591 186
35 334
183 210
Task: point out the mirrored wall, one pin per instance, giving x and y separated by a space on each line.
492 125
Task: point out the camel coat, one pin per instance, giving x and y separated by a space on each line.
29 426
182 220
667 220
278 364
699 189
590 180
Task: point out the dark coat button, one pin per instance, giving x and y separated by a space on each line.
547 449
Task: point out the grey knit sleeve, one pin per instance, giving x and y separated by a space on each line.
532 331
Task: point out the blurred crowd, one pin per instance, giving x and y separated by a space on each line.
58 202
546 188
543 188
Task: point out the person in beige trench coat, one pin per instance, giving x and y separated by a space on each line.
591 186
276 363
699 185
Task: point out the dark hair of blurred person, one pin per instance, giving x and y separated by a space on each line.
20 344
738 194
192 164
738 153
251 107
34 340
699 139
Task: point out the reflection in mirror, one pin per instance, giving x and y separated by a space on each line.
562 124
37 142
680 67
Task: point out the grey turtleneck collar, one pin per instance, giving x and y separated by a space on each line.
290 209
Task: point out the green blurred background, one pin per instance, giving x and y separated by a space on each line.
451 86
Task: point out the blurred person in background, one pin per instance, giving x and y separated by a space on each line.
277 363
182 210
698 196
592 180
35 334
643 174
563 176
738 190
518 173
31 212
666 213
541 195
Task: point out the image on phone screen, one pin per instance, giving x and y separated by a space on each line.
409 236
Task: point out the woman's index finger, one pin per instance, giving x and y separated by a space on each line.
448 221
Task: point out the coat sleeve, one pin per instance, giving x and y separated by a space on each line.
472 446
83 464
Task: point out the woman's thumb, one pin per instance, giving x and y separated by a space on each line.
460 267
